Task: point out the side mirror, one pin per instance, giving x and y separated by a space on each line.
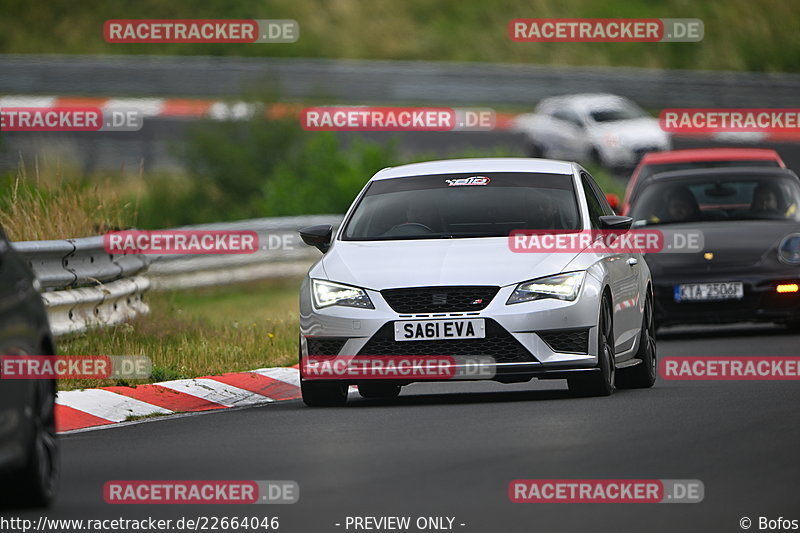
613 201
615 222
319 236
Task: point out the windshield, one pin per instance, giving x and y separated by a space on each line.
463 205
718 198
649 170
620 111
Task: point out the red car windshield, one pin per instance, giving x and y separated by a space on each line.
649 170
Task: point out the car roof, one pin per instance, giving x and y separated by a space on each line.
710 154
725 171
584 101
478 165
585 98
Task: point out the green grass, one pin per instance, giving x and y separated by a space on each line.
210 331
739 34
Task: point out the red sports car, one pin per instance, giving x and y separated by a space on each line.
656 162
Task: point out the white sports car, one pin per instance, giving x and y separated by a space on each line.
422 267
602 128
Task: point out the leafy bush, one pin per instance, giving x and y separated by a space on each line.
261 168
324 177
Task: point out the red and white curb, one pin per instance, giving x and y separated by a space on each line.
158 107
79 409
239 110
193 108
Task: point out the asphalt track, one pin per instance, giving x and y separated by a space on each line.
451 450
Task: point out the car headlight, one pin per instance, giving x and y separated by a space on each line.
789 249
562 286
611 140
327 293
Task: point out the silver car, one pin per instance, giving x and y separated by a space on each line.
422 267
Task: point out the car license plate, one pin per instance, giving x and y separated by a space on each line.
432 330
694 292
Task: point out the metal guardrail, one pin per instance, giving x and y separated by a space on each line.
347 81
73 263
282 254
83 286
361 81
75 310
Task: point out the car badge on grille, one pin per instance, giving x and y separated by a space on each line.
479 301
708 256
439 299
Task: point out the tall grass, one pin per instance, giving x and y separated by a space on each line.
60 207
318 176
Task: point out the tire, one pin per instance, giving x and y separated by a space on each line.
602 382
643 375
379 390
36 484
595 157
793 326
534 150
323 394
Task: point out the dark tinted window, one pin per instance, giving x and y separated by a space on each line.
568 116
614 113
718 198
649 170
595 201
463 205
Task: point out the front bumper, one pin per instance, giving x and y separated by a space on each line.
628 156
761 302
543 338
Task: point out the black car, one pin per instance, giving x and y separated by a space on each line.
749 267
29 463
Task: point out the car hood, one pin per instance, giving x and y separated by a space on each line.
737 246
419 263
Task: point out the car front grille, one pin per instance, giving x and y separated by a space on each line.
498 343
325 345
567 340
439 299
